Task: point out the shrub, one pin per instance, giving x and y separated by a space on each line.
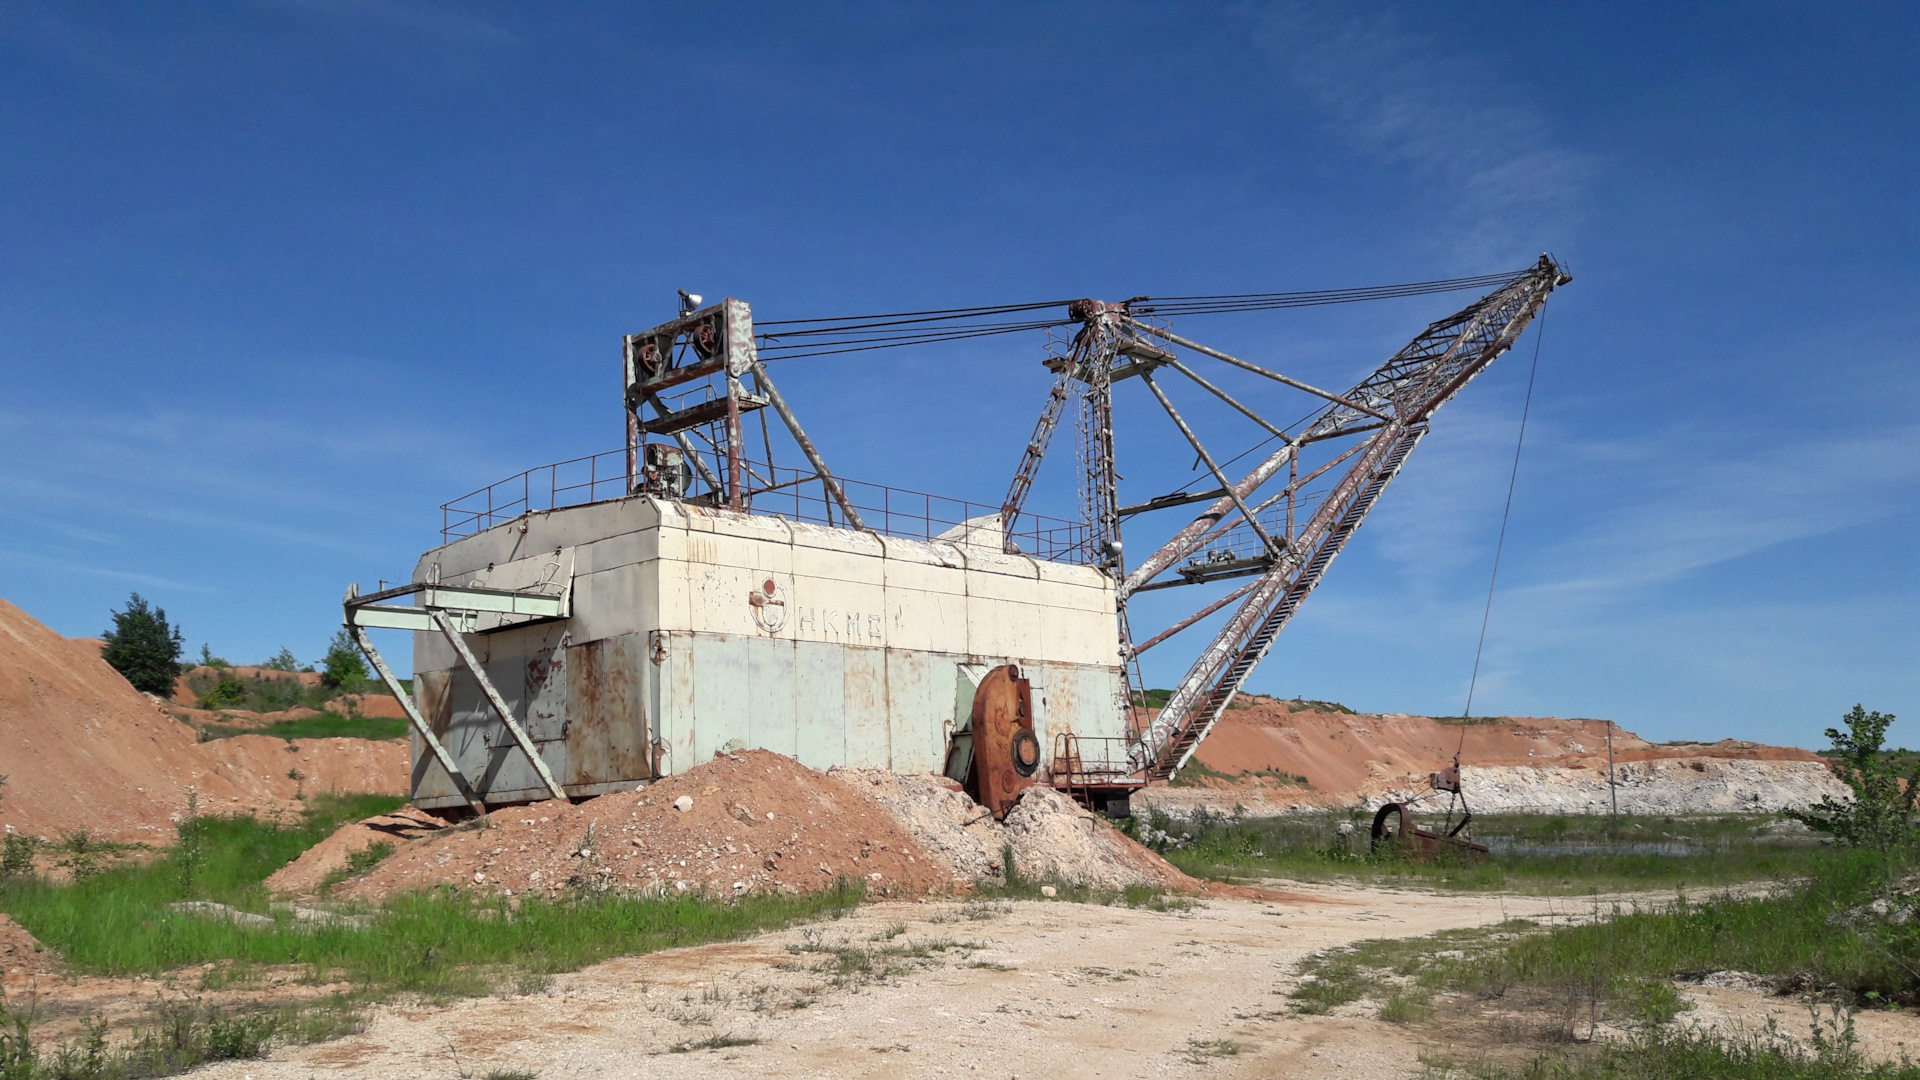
1881 814
282 661
344 667
143 647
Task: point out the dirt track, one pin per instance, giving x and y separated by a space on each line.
1052 990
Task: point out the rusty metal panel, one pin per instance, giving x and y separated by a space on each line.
675 669
606 712
432 693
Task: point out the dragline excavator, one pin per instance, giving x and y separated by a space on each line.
555 661
1264 527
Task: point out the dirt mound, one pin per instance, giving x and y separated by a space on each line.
371 706
1054 838
82 749
944 820
1271 756
238 718
753 822
20 953
304 875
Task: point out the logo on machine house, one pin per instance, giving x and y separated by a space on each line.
769 604
851 627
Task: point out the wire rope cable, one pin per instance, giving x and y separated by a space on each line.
1500 546
783 339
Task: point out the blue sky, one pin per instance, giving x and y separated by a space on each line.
277 279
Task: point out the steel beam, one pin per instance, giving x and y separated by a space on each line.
827 480
1328 395
1240 504
419 722
499 703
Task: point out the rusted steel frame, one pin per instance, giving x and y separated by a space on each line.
1295 481
1168 502
1206 669
1103 481
1188 539
739 354
1224 396
1167 404
686 445
419 722
1036 449
733 441
806 445
1516 324
633 418
1193 618
499 703
1168 335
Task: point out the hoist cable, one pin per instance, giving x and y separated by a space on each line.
1500 546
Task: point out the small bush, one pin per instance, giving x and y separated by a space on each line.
1881 813
343 669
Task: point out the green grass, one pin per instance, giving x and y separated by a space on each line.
326 726
440 942
1674 1053
1623 968
1308 847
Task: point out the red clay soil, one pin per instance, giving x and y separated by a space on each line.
304 875
82 749
1344 755
760 823
20 953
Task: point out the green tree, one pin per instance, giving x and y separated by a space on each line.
343 669
282 661
1881 813
143 647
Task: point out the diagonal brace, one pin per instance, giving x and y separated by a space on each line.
1258 370
499 704
419 722
1265 540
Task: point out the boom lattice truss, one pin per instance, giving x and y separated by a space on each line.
1284 540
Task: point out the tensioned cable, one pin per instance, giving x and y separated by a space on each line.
866 333
1501 545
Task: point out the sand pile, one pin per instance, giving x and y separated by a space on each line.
944 820
753 822
1052 837
1055 839
81 749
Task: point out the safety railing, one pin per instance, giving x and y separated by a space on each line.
1091 761
778 491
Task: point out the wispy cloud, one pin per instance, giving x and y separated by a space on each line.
1488 159
25 560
